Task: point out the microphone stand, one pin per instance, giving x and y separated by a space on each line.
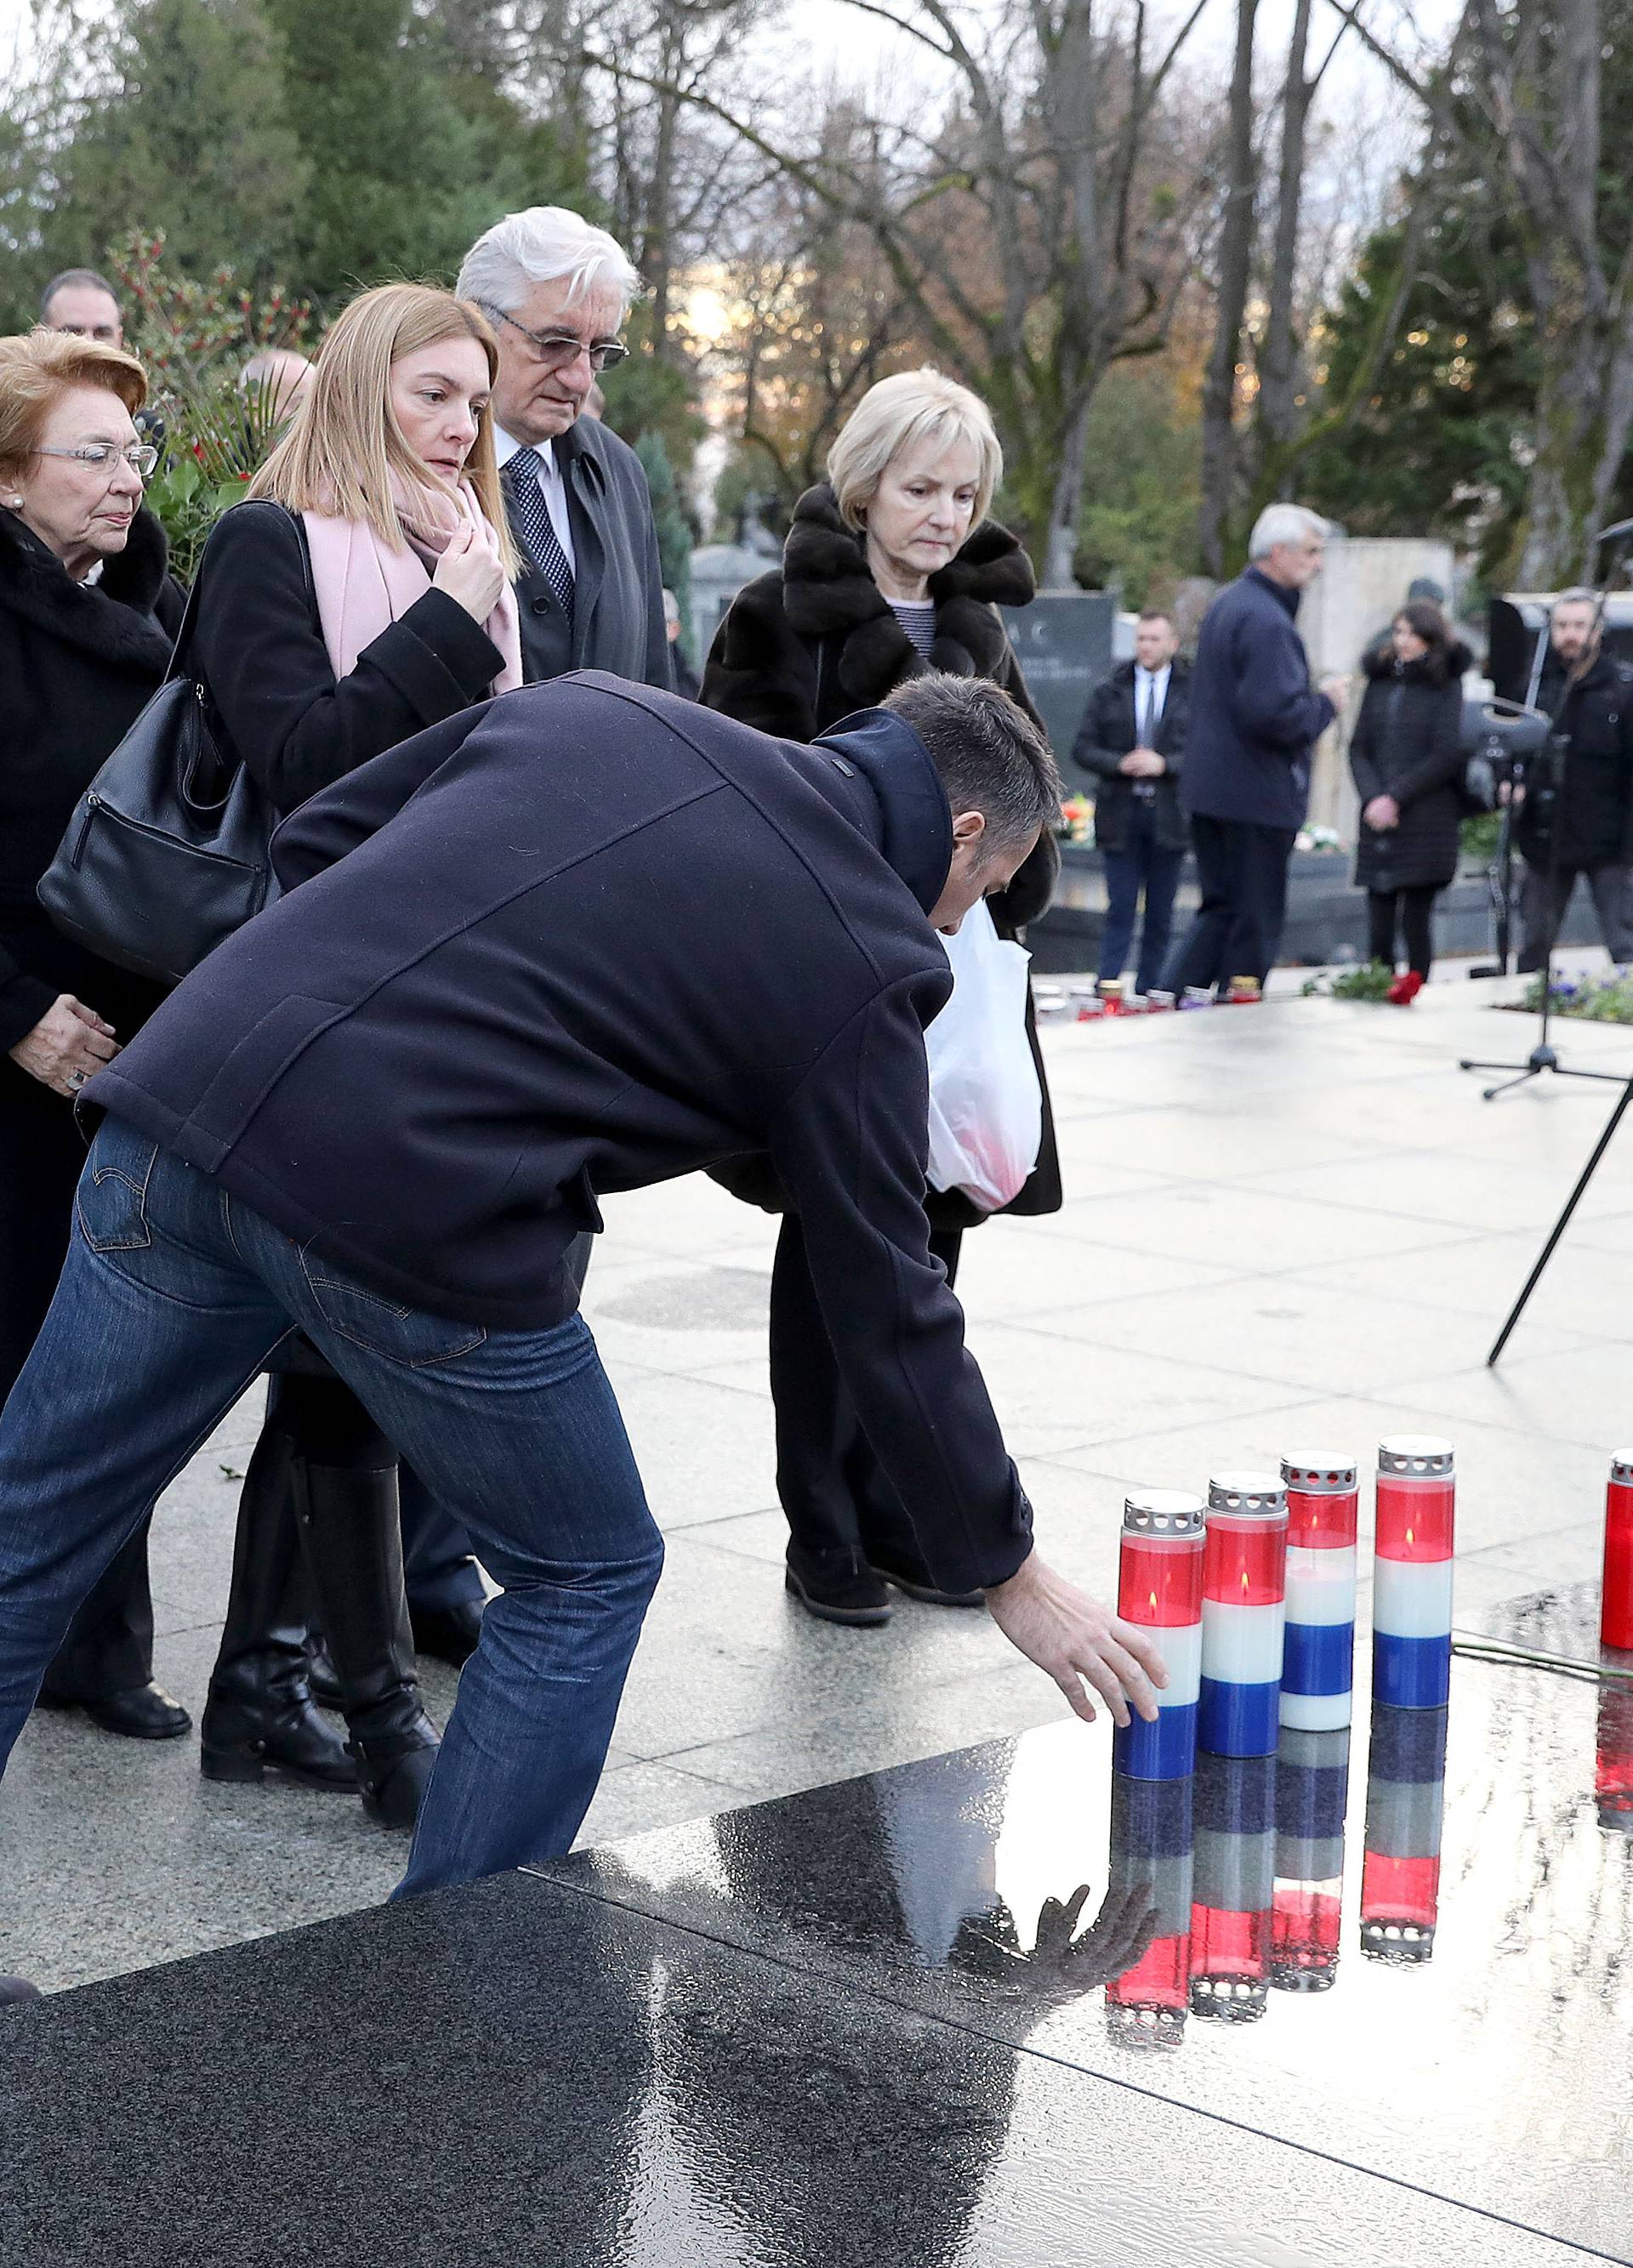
1544 1056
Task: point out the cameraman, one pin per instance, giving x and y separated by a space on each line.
1576 815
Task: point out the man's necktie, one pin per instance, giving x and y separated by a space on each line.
1147 716
530 518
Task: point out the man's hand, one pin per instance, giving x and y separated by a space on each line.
1143 764
1074 1639
1336 689
69 1045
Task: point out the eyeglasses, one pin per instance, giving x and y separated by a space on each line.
557 349
141 456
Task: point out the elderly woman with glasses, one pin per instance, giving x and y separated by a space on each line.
87 611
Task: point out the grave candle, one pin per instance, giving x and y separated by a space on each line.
1244 1586
1318 1659
1411 1573
1616 1626
1311 1793
1234 1886
1159 1587
1400 1872
1152 1835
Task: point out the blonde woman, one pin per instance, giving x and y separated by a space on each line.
891 568
360 594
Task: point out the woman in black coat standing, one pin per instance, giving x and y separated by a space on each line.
890 569
361 592
1406 758
87 612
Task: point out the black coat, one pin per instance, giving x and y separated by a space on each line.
618 590
584 939
1408 744
1254 718
814 640
78 663
1587 817
257 648
1107 734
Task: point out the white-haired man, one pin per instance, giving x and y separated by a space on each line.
557 291
590 596
1253 722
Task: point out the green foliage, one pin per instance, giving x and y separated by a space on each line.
1137 528
1479 837
674 529
194 339
1597 1000
1370 983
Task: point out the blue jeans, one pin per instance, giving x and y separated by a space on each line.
173 1297
1142 864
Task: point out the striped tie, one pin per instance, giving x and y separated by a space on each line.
530 520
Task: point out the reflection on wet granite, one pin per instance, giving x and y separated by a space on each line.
1495 2073
520 2074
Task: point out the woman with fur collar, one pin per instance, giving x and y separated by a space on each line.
87 614
890 569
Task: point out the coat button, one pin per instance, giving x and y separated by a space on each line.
541 606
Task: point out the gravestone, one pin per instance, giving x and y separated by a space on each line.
1063 643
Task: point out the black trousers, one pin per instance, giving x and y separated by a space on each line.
1241 869
833 1487
1409 912
109 1645
1545 895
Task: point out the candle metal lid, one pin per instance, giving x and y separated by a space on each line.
1319 1476
1256 1492
1163 1513
1415 1456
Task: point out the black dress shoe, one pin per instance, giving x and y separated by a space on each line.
143 1712
447 1634
837 1588
920 1586
14 1989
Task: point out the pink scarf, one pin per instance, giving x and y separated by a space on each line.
363 585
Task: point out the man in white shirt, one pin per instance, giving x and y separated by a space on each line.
591 597
1132 740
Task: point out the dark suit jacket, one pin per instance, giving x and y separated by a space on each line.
618 593
1254 716
587 938
1106 736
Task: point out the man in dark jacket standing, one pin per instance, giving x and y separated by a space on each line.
1253 722
1132 740
1577 814
585 938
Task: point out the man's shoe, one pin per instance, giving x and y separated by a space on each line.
143 1712
920 1586
14 1989
837 1588
447 1634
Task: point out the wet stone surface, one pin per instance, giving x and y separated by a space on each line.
1429 1981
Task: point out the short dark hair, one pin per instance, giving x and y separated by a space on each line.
87 276
1425 620
1157 615
989 754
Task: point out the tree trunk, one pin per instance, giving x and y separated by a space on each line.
1277 408
1236 254
1060 536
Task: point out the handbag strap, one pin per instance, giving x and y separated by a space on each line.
184 628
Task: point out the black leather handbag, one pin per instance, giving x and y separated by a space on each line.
169 849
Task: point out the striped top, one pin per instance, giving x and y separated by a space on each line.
917 617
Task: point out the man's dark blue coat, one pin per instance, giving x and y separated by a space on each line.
1253 715
580 940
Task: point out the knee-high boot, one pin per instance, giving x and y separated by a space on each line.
353 1543
260 1710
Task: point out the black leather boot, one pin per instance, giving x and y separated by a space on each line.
260 1710
353 1543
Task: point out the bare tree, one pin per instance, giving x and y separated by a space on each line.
1237 231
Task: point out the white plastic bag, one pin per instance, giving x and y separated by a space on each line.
985 1104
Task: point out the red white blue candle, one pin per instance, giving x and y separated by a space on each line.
1317 1654
1233 1887
1412 1573
1616 1603
1151 1851
1405 1793
1159 1587
1243 1595
1311 1796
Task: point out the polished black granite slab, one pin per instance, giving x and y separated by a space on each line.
1488 2058
521 2073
